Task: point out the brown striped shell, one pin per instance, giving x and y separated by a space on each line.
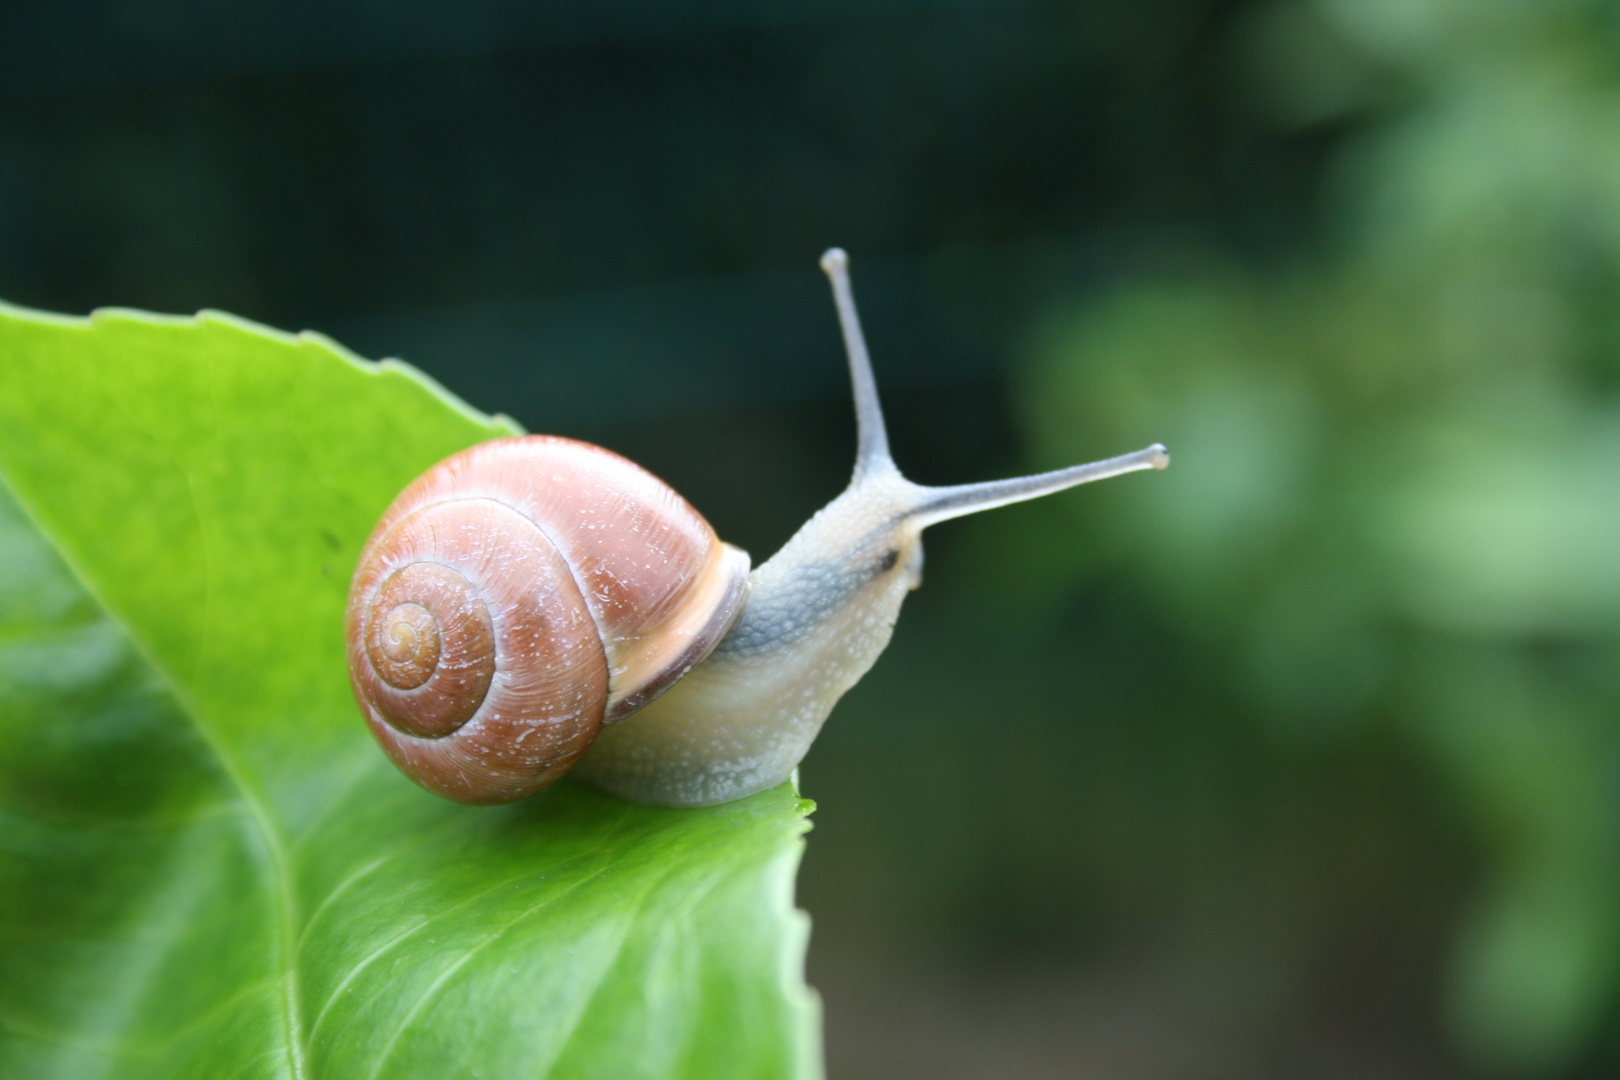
519 595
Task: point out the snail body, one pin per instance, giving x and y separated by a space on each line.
536 604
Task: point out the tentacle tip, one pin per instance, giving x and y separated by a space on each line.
834 261
1158 456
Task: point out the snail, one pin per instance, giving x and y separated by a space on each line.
535 604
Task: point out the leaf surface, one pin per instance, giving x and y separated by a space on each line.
207 869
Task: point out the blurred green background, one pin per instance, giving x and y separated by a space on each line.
1299 760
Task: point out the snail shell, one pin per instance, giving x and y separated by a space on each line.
518 596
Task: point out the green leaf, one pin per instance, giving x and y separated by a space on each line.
206 867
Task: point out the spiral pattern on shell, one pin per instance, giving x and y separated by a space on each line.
517 596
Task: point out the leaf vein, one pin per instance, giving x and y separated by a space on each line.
434 987
258 813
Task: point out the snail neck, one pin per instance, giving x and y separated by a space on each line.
818 615
843 563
